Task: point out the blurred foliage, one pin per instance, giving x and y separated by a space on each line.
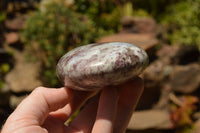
1 84
105 13
181 114
4 68
155 8
128 10
182 20
58 28
2 16
55 31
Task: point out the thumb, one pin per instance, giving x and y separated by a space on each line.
40 103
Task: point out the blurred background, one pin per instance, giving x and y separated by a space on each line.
34 34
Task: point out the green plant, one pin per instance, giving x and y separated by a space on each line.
2 16
54 31
155 8
4 68
106 14
181 115
182 20
1 84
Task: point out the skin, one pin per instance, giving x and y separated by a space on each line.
47 109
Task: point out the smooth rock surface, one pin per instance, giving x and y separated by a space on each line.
11 37
94 66
145 41
138 24
24 77
185 79
17 23
149 119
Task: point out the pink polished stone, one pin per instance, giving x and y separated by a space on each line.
95 66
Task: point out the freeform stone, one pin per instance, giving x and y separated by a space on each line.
95 66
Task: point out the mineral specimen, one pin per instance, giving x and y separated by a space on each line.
95 66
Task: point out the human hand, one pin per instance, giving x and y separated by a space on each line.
46 110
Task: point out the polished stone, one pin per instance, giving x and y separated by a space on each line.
95 66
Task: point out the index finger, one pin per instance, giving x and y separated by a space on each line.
130 93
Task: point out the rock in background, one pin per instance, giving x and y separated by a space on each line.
173 72
22 75
172 77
